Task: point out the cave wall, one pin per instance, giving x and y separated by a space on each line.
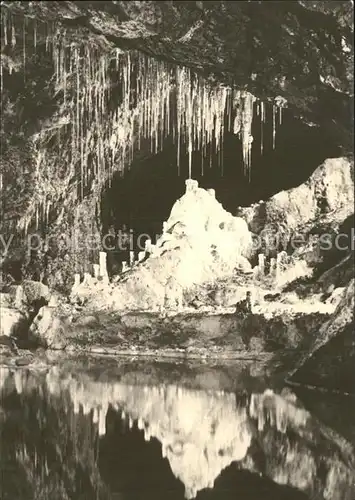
298 52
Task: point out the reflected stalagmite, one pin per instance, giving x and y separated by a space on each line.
201 433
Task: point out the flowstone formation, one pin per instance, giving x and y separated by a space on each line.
201 242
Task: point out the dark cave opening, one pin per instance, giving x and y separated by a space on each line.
141 199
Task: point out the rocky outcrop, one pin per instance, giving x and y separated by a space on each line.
312 211
187 334
29 293
338 275
331 367
13 323
330 362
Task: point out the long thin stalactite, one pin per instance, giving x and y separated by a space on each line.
111 102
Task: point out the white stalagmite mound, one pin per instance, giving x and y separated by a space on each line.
200 242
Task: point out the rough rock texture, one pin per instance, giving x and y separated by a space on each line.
298 52
339 275
188 334
332 366
313 208
301 51
12 322
74 243
330 362
30 292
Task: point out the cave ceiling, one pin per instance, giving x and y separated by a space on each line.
299 50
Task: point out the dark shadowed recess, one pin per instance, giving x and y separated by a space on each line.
142 198
334 410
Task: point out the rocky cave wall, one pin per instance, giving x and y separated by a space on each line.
298 54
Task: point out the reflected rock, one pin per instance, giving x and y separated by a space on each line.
202 432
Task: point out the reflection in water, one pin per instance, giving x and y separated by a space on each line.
52 425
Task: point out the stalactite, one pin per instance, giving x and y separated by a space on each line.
158 101
4 27
262 121
244 104
13 33
273 125
35 33
37 217
24 45
47 38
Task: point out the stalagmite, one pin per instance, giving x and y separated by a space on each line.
76 280
20 297
87 280
103 265
96 271
124 266
148 246
76 406
273 267
95 416
191 185
261 264
141 256
131 258
18 381
102 421
147 434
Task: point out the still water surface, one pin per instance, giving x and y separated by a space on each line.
151 430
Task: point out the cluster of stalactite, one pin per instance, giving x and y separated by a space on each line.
110 102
